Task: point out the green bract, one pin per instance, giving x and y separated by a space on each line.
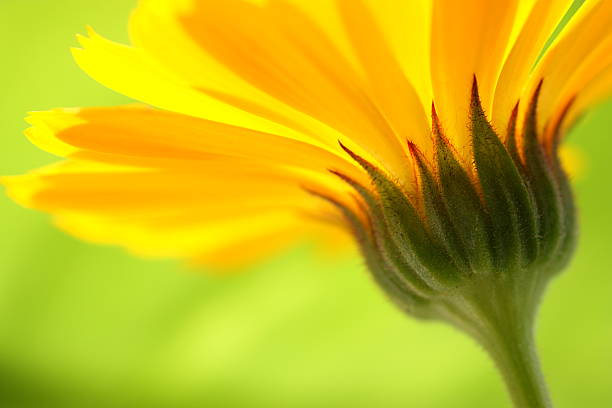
478 243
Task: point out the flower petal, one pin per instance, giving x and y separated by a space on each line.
240 35
156 29
394 94
581 52
226 243
282 60
468 38
406 27
542 19
598 89
130 71
141 136
170 213
74 187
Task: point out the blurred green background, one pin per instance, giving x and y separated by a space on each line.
87 326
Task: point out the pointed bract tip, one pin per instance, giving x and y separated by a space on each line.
475 86
313 191
360 160
511 130
435 119
340 175
411 146
476 103
346 149
531 116
417 156
308 189
414 150
555 132
436 124
326 197
536 94
515 110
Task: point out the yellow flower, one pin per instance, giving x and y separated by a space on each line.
252 98
270 121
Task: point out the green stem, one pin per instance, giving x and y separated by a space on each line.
517 360
508 337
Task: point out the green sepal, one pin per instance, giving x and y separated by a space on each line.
388 248
568 244
406 228
390 283
544 186
511 140
462 203
472 238
436 215
513 216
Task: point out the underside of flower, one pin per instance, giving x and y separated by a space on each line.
245 102
477 242
503 223
462 215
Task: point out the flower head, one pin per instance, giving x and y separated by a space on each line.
448 113
252 98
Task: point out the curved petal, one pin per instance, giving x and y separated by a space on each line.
225 243
404 25
406 28
169 213
598 89
246 250
394 94
584 76
156 29
77 186
283 53
542 19
468 38
131 72
583 41
141 136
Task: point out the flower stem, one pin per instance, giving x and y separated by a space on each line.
518 363
510 341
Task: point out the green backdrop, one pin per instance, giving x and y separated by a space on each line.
89 326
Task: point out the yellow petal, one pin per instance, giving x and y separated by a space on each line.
543 17
129 71
599 89
259 45
253 248
393 93
156 29
197 240
585 75
94 188
584 45
406 26
468 38
168 213
136 135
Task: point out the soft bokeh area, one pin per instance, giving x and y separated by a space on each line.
89 326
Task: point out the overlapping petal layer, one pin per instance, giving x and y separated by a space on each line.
252 97
167 184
